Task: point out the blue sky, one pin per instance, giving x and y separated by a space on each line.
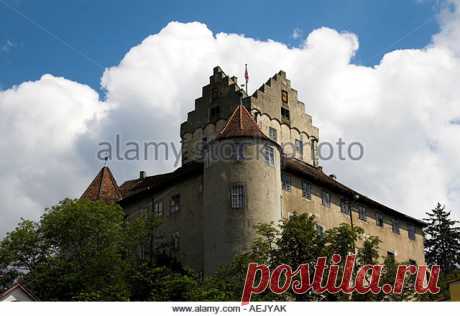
105 30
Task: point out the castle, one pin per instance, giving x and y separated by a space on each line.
249 159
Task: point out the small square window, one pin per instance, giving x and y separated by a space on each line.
174 204
395 226
237 196
326 199
306 189
379 220
286 179
273 134
391 254
362 213
345 206
269 155
411 232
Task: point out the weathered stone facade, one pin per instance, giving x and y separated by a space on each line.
211 204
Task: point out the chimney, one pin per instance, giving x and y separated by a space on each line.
141 174
234 79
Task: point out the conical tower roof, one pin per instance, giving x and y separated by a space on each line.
104 187
241 124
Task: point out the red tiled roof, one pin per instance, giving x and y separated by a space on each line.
317 175
241 124
104 187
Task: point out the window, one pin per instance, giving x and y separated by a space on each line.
174 204
285 115
214 113
391 254
214 93
290 214
238 152
320 229
299 147
326 199
395 226
273 133
158 208
237 196
379 220
203 146
269 155
175 241
284 96
345 206
412 262
306 189
411 232
362 213
286 179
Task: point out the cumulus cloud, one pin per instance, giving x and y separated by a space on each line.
403 110
40 124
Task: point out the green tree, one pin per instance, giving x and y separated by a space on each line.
20 251
293 241
75 252
442 239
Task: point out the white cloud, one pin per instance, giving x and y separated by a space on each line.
403 110
297 33
449 36
40 124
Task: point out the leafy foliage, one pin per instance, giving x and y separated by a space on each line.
88 251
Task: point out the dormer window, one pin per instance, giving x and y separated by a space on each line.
214 113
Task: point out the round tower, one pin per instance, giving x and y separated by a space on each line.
242 188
